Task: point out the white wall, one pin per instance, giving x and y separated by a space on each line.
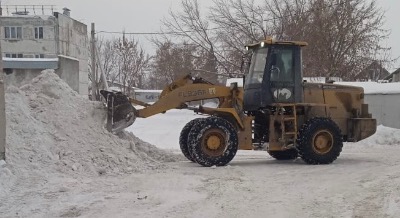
385 108
73 42
147 96
68 71
28 45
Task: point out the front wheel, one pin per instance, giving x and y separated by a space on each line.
320 141
213 141
183 139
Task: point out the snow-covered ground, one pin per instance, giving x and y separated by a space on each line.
69 166
363 182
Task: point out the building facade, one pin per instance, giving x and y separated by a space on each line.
48 37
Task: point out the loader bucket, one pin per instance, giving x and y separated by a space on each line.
120 112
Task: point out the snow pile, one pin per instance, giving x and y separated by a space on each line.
50 128
383 136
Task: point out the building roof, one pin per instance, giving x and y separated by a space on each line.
390 76
374 71
30 63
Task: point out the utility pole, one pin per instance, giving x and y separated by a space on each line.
103 78
93 65
2 112
2 116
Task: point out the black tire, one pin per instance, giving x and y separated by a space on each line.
289 154
183 139
213 141
320 141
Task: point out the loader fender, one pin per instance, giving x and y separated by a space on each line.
231 112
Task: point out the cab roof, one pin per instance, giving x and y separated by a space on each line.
271 41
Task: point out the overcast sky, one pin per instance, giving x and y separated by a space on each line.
145 15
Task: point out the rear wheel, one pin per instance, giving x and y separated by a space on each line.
213 141
289 154
320 141
183 138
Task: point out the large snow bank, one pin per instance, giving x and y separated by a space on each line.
52 129
383 136
374 87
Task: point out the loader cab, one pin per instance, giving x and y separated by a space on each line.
274 75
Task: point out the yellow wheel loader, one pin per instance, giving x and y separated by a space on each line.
275 111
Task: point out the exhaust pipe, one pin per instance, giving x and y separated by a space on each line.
120 112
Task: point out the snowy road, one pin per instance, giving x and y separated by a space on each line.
359 184
363 182
54 173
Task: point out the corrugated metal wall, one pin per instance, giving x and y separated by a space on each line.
385 108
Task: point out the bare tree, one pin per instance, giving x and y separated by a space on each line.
171 62
191 25
107 58
237 23
344 35
132 63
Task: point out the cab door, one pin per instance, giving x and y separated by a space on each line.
284 74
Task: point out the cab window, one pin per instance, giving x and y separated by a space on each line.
282 68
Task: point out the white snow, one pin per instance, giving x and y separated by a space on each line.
148 90
321 79
62 163
53 133
44 17
374 87
239 81
68 57
30 59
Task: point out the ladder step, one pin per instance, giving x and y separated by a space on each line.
289 118
290 133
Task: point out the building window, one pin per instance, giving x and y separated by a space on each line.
38 32
39 56
12 32
13 55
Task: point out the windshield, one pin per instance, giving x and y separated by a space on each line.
257 66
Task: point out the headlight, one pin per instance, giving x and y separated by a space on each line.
262 44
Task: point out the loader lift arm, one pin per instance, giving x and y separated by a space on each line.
122 113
